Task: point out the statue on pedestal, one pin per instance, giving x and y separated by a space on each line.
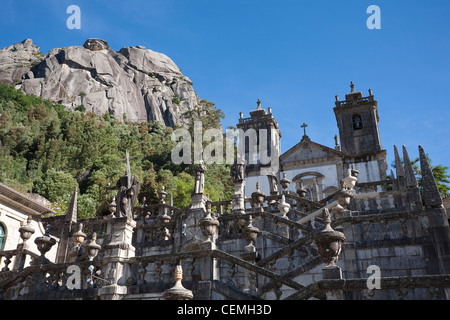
127 191
199 186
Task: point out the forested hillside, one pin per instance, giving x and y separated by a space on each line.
49 151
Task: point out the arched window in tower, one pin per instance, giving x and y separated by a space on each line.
2 236
357 122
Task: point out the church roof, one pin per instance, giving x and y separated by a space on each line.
21 202
309 151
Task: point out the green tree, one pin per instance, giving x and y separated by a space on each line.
55 185
49 150
439 173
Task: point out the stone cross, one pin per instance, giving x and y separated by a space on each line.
304 125
129 202
127 159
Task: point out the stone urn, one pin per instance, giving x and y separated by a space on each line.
112 207
329 241
284 207
343 199
26 231
92 248
285 182
301 191
250 232
349 182
44 244
79 236
209 224
258 198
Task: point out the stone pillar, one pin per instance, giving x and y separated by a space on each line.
117 253
238 202
331 272
26 231
250 278
208 264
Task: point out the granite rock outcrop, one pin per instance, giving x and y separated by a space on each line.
134 83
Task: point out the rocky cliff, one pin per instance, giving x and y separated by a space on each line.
134 82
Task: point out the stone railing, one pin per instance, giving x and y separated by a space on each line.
354 102
374 186
259 118
52 281
19 256
435 285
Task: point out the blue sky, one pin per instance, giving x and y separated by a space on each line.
293 55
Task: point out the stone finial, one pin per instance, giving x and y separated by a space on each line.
258 103
26 231
258 198
350 181
285 182
79 236
250 232
209 224
352 87
178 292
301 191
92 248
283 206
411 181
431 195
162 194
336 140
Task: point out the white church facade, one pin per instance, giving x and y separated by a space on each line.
316 168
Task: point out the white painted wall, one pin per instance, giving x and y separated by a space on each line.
11 220
328 171
368 171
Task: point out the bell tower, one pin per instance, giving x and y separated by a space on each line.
357 120
259 141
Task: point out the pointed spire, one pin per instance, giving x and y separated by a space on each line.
398 164
399 170
394 181
431 195
409 172
72 211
